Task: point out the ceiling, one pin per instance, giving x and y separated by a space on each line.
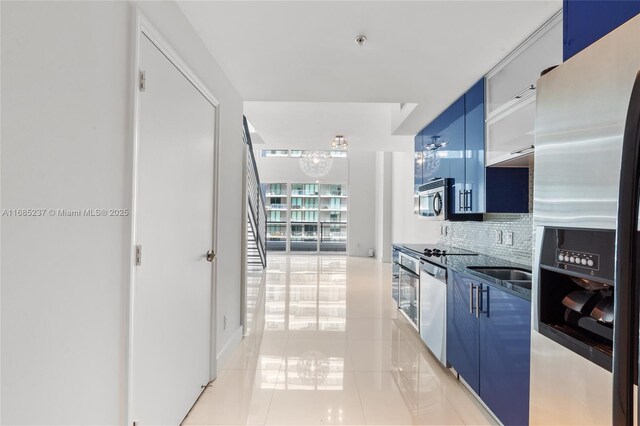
422 52
313 125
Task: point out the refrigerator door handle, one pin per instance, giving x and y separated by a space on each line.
625 330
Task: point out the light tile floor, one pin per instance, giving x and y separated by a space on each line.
327 346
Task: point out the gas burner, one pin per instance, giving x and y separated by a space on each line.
434 252
431 250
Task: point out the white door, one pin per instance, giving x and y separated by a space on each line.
174 226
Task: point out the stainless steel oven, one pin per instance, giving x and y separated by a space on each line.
409 284
395 273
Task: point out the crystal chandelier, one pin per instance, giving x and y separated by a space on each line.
339 142
315 163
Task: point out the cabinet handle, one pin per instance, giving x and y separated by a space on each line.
482 307
521 150
471 287
468 206
486 310
519 94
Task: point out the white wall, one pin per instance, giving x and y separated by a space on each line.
66 143
383 217
408 227
362 166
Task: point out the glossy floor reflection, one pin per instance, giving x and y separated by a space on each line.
327 346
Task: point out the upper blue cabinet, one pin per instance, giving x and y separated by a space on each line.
587 21
444 148
417 163
443 143
453 146
474 183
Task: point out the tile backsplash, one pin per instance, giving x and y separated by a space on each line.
481 236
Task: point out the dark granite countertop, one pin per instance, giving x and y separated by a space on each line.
461 264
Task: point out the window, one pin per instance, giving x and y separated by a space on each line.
274 153
311 217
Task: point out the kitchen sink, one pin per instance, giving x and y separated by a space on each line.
526 284
504 274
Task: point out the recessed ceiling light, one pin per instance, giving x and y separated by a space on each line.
361 40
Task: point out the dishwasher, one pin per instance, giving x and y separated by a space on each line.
433 309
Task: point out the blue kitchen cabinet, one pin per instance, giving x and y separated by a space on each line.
488 344
447 133
474 188
463 337
417 163
505 332
452 154
459 134
587 21
447 129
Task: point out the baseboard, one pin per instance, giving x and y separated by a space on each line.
223 354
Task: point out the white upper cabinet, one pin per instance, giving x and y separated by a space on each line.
510 95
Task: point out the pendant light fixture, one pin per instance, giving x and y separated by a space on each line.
339 142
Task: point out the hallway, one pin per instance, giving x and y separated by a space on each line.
328 347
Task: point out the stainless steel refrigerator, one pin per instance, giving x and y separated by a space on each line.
586 183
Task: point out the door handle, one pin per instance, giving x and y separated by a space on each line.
461 200
211 255
477 290
468 206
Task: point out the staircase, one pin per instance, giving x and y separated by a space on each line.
254 257
256 211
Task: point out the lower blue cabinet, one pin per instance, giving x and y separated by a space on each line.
505 333
488 344
463 337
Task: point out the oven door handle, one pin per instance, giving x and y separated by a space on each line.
408 271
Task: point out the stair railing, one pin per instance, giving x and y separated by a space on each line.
257 208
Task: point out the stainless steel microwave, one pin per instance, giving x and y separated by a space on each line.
433 199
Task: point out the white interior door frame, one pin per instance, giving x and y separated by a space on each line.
143 27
